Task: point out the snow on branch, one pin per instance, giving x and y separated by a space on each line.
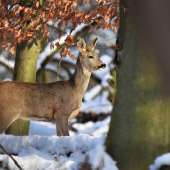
6 63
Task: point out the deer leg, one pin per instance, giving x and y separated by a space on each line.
63 125
6 120
58 130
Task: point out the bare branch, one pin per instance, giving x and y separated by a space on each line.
59 63
15 162
12 6
7 66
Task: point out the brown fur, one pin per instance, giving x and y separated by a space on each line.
59 101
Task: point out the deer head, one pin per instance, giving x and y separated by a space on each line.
88 58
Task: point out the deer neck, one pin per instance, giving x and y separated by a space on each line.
81 77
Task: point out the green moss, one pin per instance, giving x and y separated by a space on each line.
26 62
140 121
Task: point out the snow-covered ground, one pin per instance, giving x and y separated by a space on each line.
91 128
42 149
159 161
52 152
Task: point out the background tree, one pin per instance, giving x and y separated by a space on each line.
139 128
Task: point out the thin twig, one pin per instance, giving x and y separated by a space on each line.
58 67
36 166
13 6
125 8
15 162
59 63
7 66
52 30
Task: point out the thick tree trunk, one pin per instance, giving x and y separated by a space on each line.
24 71
140 123
26 62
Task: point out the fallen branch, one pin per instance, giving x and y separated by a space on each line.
15 162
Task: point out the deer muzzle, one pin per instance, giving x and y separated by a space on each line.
102 66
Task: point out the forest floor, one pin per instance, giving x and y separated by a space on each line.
42 149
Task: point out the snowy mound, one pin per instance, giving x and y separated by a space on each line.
42 152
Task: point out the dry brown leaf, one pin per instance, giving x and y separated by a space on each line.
60 25
52 46
57 44
12 49
37 4
50 11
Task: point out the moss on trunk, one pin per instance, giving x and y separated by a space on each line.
26 62
139 128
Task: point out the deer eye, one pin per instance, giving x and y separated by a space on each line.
90 56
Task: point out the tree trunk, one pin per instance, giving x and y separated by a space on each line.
24 71
140 120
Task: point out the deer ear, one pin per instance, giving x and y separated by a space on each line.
92 45
81 45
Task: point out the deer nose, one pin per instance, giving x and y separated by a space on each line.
102 66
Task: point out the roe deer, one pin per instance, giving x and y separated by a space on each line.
59 101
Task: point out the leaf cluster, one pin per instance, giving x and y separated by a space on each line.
25 23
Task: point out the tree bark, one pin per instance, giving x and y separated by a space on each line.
140 120
24 71
26 62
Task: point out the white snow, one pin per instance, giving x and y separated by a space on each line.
89 95
98 105
48 129
7 79
6 61
52 152
97 158
42 128
95 129
51 145
159 161
42 149
106 36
